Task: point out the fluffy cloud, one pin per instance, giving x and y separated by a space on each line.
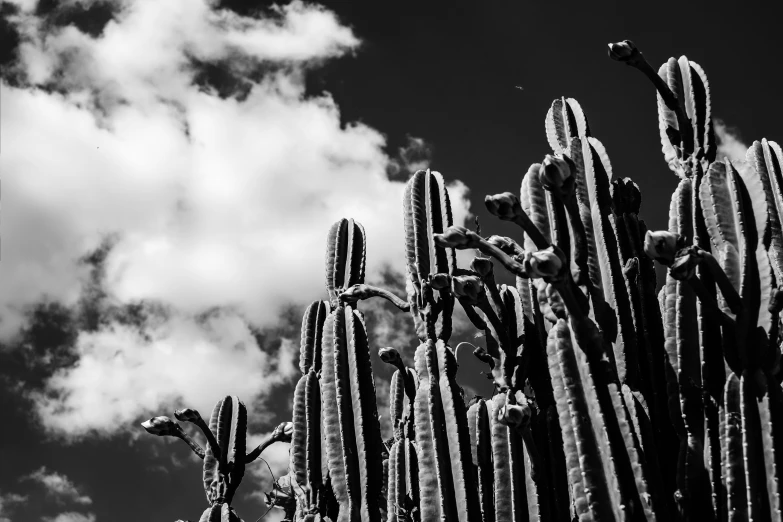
175 365
729 142
58 486
216 201
71 516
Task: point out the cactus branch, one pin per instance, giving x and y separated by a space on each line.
282 433
360 292
189 415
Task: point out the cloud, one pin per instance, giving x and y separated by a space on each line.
729 141
71 516
58 486
183 131
7 502
121 376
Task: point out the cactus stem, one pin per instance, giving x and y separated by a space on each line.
268 441
198 450
211 440
708 300
638 61
360 292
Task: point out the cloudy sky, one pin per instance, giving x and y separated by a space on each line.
171 169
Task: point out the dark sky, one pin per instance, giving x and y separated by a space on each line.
447 72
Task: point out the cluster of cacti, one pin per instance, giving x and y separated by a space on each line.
610 402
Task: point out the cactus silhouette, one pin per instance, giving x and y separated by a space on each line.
611 400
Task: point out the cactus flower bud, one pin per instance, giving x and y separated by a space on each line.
506 244
545 264
626 196
440 281
468 287
661 246
684 265
515 415
162 426
187 415
482 266
555 172
482 355
623 51
506 206
283 432
455 237
389 355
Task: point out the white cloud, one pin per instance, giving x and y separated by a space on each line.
58 486
71 516
216 202
729 143
120 376
7 501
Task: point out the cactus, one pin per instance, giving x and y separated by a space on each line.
610 401
224 458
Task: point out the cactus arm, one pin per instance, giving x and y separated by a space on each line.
278 435
770 408
473 316
332 433
429 467
345 257
636 60
393 483
193 416
752 445
361 292
734 468
312 334
763 157
457 435
299 436
365 416
533 202
486 479
588 481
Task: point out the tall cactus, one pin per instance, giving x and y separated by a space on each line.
610 402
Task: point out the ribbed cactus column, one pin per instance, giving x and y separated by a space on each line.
447 485
306 438
351 427
403 475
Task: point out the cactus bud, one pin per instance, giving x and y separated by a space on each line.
626 196
482 266
623 51
684 265
468 287
390 356
456 237
440 281
162 426
545 264
481 354
506 206
555 174
187 415
283 432
661 246
515 415
506 244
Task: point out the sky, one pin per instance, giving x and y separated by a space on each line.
171 170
